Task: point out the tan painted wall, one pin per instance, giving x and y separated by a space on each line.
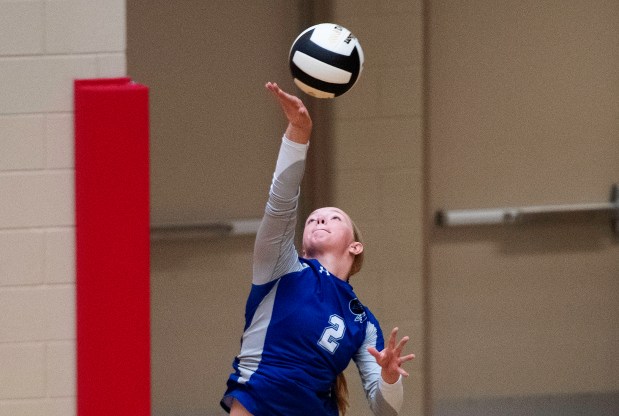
523 111
213 133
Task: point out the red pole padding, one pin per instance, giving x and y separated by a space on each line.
112 247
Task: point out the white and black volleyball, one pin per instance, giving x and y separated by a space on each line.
326 60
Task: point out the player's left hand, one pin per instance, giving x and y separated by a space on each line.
390 358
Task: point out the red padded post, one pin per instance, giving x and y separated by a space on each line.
112 247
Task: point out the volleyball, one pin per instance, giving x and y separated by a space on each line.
326 60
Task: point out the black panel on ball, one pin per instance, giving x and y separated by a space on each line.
348 63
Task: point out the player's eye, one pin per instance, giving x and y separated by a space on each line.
310 220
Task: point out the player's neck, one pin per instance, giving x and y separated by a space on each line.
335 265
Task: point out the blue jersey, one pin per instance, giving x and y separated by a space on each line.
301 331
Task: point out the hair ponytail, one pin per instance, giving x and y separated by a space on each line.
341 394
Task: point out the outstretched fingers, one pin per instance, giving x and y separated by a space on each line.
392 341
390 358
402 360
292 105
299 120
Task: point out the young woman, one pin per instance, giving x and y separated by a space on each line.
303 322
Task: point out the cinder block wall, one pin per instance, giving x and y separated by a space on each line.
44 46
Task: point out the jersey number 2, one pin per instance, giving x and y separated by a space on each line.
332 334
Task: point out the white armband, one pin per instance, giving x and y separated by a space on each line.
392 393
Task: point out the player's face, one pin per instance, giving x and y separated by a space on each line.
327 229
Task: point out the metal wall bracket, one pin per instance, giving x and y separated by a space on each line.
448 218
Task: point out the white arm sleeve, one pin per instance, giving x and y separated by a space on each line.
385 399
274 251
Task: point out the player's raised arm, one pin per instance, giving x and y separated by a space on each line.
274 251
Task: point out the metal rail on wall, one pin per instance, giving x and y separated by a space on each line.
518 215
229 228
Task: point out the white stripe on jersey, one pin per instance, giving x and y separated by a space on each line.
254 337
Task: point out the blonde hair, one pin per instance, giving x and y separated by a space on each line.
341 394
358 261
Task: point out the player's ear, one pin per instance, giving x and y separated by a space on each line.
355 248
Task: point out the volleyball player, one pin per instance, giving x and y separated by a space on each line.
303 321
